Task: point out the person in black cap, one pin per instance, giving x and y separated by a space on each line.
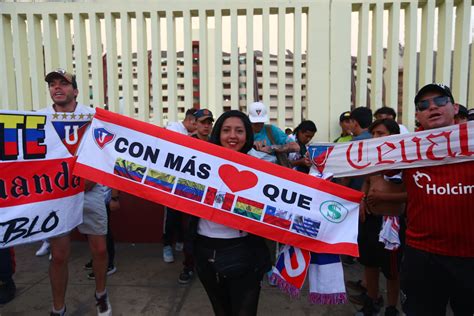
204 120
462 115
438 261
63 91
345 124
470 116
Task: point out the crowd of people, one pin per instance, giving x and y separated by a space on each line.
428 265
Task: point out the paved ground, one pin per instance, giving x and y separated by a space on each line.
143 285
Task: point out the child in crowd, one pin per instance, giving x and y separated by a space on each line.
303 134
380 250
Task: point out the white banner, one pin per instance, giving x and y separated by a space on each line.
452 144
218 184
39 196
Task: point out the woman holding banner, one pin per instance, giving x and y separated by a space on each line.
230 263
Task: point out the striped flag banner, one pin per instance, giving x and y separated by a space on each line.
220 185
129 170
219 199
277 217
447 145
39 196
160 180
249 208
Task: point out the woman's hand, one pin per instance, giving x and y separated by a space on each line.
307 161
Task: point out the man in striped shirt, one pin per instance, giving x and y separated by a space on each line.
438 266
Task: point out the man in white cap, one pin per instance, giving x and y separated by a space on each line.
268 138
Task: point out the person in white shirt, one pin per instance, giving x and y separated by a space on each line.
63 91
187 126
230 263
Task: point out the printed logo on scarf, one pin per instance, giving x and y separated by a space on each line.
102 137
333 211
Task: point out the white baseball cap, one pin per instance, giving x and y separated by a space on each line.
258 112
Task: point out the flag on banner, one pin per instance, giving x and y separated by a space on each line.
129 170
277 217
306 226
160 180
127 154
190 189
319 154
219 199
248 208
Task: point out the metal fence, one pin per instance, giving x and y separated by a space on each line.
305 59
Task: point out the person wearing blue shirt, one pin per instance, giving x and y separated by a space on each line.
258 116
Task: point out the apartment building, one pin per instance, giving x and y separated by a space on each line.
183 104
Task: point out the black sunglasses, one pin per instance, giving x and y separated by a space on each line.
439 101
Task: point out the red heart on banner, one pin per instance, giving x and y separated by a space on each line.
237 180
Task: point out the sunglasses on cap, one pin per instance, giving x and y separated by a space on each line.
439 101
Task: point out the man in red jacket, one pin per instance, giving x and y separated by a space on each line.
438 266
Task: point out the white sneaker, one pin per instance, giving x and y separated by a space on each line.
44 249
103 306
179 246
168 254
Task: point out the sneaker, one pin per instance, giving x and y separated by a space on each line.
358 299
110 270
391 311
168 254
7 291
179 246
58 314
370 308
356 286
103 305
88 266
185 277
43 250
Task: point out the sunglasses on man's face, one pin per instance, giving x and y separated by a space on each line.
439 101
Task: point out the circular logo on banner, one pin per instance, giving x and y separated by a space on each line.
333 211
